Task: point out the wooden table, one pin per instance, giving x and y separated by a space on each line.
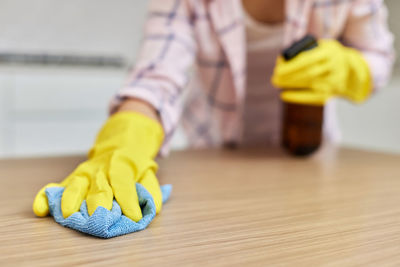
337 208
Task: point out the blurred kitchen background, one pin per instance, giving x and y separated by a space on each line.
61 61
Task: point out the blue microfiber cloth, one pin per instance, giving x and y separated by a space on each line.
105 223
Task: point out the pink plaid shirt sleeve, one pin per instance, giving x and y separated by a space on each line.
161 71
367 31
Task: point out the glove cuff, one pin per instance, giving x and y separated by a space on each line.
130 131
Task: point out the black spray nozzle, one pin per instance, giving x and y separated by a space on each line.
306 43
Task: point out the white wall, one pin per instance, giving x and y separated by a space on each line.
375 124
45 110
53 111
77 26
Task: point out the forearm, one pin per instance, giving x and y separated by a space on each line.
140 106
166 79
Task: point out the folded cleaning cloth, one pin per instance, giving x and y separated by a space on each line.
105 223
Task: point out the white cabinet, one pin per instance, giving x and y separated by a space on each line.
53 111
4 120
60 92
47 111
374 124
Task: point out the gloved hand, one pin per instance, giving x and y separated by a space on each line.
315 75
122 155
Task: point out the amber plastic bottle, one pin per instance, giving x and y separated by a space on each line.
302 128
302 123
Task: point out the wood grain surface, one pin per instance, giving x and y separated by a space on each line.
340 207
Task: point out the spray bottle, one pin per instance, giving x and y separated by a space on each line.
302 123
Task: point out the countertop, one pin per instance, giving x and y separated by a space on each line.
340 207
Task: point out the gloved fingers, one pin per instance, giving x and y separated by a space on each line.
302 61
74 194
40 204
304 77
304 97
150 182
84 169
100 192
321 87
121 175
300 80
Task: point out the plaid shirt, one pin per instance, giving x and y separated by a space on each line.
200 44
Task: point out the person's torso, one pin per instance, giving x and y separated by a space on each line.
220 89
262 108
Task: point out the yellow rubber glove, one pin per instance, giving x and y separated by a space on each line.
122 155
328 70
